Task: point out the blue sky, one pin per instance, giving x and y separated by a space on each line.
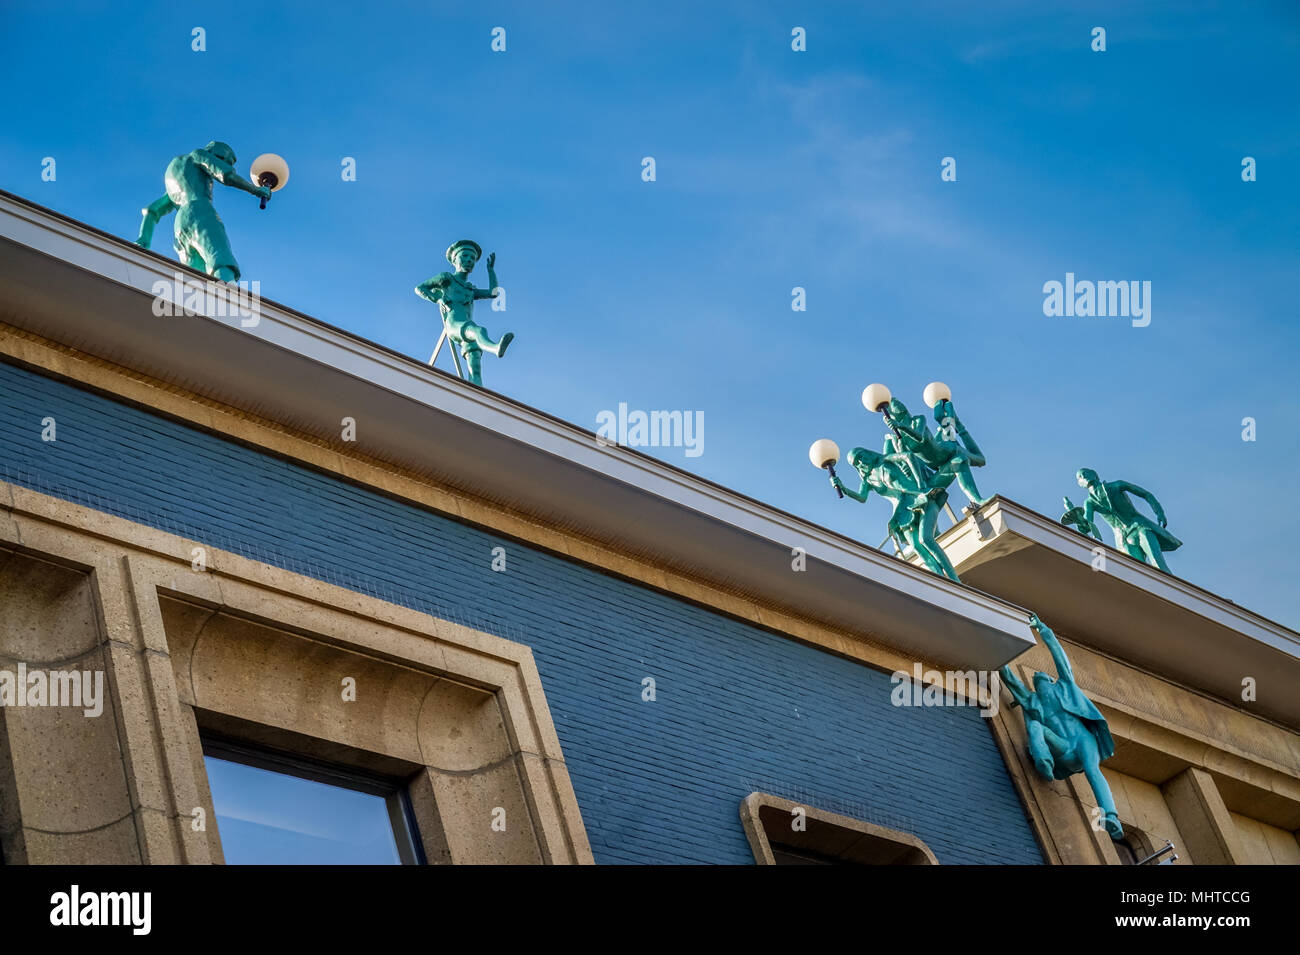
775 169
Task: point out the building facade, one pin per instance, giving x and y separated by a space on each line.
290 549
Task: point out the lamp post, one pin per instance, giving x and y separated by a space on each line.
823 454
271 172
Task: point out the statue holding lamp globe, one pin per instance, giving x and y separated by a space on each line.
913 470
200 236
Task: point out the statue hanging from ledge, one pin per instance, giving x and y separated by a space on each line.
455 297
1135 533
1067 733
200 236
917 492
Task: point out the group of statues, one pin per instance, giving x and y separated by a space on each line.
1066 733
914 468
201 243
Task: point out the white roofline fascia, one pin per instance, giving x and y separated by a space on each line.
1006 516
116 260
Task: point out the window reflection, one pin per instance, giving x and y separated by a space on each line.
268 817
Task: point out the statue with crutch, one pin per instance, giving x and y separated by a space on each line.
455 296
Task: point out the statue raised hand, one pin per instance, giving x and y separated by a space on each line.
950 450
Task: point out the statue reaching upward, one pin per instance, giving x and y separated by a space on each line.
940 451
456 297
1135 533
201 240
1067 733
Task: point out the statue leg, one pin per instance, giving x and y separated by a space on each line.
925 544
966 481
191 257
943 475
479 334
1039 751
214 245
473 364
1149 550
1100 788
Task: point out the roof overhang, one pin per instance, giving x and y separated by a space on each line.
1130 610
80 287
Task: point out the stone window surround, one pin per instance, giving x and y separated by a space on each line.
134 568
912 850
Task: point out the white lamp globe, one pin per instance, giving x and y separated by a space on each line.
273 168
875 396
935 392
824 451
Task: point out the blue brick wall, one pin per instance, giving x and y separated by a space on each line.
738 708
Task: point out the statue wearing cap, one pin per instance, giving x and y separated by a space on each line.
456 296
200 236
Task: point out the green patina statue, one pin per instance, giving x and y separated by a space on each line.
940 451
1067 733
917 493
201 241
455 297
1135 534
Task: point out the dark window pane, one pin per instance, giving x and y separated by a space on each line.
266 817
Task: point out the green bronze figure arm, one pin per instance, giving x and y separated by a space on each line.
945 410
152 213
1019 692
974 456
432 288
860 495
225 174
1063 671
916 435
491 290
1089 511
1147 496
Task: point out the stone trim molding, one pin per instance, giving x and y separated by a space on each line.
848 831
136 569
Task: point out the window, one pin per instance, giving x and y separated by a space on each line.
1127 854
1139 847
823 838
276 808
